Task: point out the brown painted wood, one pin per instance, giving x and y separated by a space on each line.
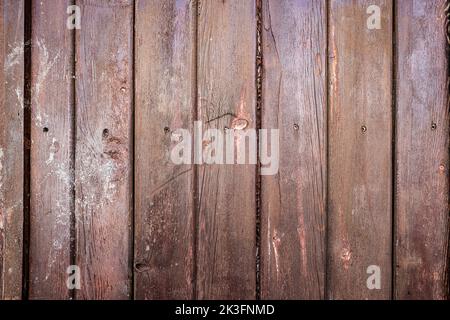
11 147
165 97
104 91
294 100
51 203
226 96
422 163
360 153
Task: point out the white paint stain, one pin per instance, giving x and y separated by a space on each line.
1 177
276 241
41 120
19 95
45 65
53 150
14 57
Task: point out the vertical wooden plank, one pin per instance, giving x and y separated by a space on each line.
422 164
11 147
103 205
360 153
51 202
227 98
165 96
294 101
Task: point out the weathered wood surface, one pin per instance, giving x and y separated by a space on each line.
364 139
422 163
165 101
226 257
51 202
360 153
294 101
104 91
11 147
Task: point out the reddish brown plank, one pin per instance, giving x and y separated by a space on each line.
104 90
165 97
422 163
226 98
360 153
11 147
51 202
294 100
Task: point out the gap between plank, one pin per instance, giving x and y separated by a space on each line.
327 156
195 184
259 103
447 31
393 148
28 8
73 99
131 254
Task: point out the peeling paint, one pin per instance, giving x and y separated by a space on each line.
346 257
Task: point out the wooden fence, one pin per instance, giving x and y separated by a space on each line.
87 118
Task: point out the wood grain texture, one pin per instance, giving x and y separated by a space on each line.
422 163
11 147
165 97
104 91
360 153
51 202
226 98
294 101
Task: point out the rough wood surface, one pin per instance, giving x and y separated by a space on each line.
165 96
360 153
51 203
104 91
226 98
294 101
422 163
11 147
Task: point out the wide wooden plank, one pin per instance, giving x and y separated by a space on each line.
422 160
165 97
51 202
11 147
360 153
294 101
226 98
104 91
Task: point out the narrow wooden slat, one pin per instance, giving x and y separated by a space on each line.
422 163
11 147
165 95
360 153
294 201
103 149
51 202
227 98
